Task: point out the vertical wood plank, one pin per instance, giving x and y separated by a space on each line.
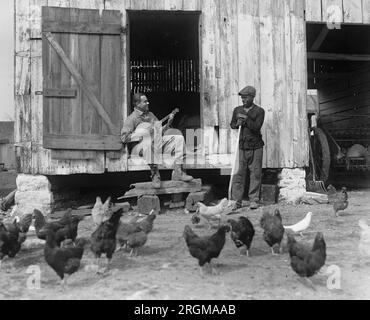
120 164
313 11
228 85
365 11
65 80
89 55
111 86
281 152
332 9
22 86
286 126
76 103
249 48
36 80
352 11
208 61
267 79
299 75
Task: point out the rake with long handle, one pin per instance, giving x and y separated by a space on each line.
235 161
315 185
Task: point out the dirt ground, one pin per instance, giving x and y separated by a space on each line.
164 268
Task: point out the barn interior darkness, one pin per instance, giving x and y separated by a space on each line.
164 56
342 82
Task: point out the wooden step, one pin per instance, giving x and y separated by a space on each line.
167 187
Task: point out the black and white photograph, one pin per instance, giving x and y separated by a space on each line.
198 151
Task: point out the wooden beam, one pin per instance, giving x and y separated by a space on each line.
81 27
167 187
320 38
82 142
81 82
337 56
60 93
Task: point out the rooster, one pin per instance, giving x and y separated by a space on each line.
211 213
204 249
101 211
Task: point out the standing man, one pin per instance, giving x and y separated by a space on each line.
169 144
250 117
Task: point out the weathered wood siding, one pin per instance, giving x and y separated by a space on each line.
254 42
349 11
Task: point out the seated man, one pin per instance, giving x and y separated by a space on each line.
167 145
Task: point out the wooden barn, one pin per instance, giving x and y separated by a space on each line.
77 64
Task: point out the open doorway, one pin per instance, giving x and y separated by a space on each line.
339 70
164 58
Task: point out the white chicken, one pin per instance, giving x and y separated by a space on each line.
101 212
364 244
302 225
212 213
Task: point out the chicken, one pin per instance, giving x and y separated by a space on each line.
103 239
242 232
136 240
302 225
126 229
64 228
13 235
23 224
364 244
207 247
101 211
9 244
212 213
306 261
146 224
331 193
66 260
341 201
273 230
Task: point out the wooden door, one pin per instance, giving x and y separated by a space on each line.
82 87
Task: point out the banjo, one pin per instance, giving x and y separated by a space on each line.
143 128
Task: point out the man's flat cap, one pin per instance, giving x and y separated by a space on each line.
248 90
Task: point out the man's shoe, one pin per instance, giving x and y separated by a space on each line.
253 205
179 175
156 181
155 176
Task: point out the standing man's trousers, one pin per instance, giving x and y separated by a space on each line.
248 160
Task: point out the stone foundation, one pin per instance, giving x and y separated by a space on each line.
33 192
292 184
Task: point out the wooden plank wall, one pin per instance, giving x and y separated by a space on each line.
29 114
254 42
351 11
